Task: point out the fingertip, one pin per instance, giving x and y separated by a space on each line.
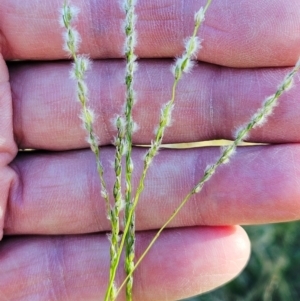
191 261
241 245
227 252
222 254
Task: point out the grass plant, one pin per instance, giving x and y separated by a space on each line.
125 128
258 119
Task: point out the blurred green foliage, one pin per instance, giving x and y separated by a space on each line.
273 273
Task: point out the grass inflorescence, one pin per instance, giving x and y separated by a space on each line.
81 64
125 128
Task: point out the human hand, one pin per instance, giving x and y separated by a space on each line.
56 193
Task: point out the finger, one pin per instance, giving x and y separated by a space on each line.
211 103
60 193
8 147
236 33
76 268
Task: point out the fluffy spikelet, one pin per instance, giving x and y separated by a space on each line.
80 68
88 116
135 127
227 152
69 14
241 132
127 4
72 41
193 45
199 16
198 188
166 115
287 83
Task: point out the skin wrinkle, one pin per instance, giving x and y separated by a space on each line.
182 20
149 19
227 103
186 247
211 111
214 78
54 290
42 284
58 267
113 25
48 269
147 84
93 7
88 8
29 283
242 91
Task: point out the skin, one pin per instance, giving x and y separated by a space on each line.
47 195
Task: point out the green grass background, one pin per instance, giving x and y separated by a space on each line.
273 272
